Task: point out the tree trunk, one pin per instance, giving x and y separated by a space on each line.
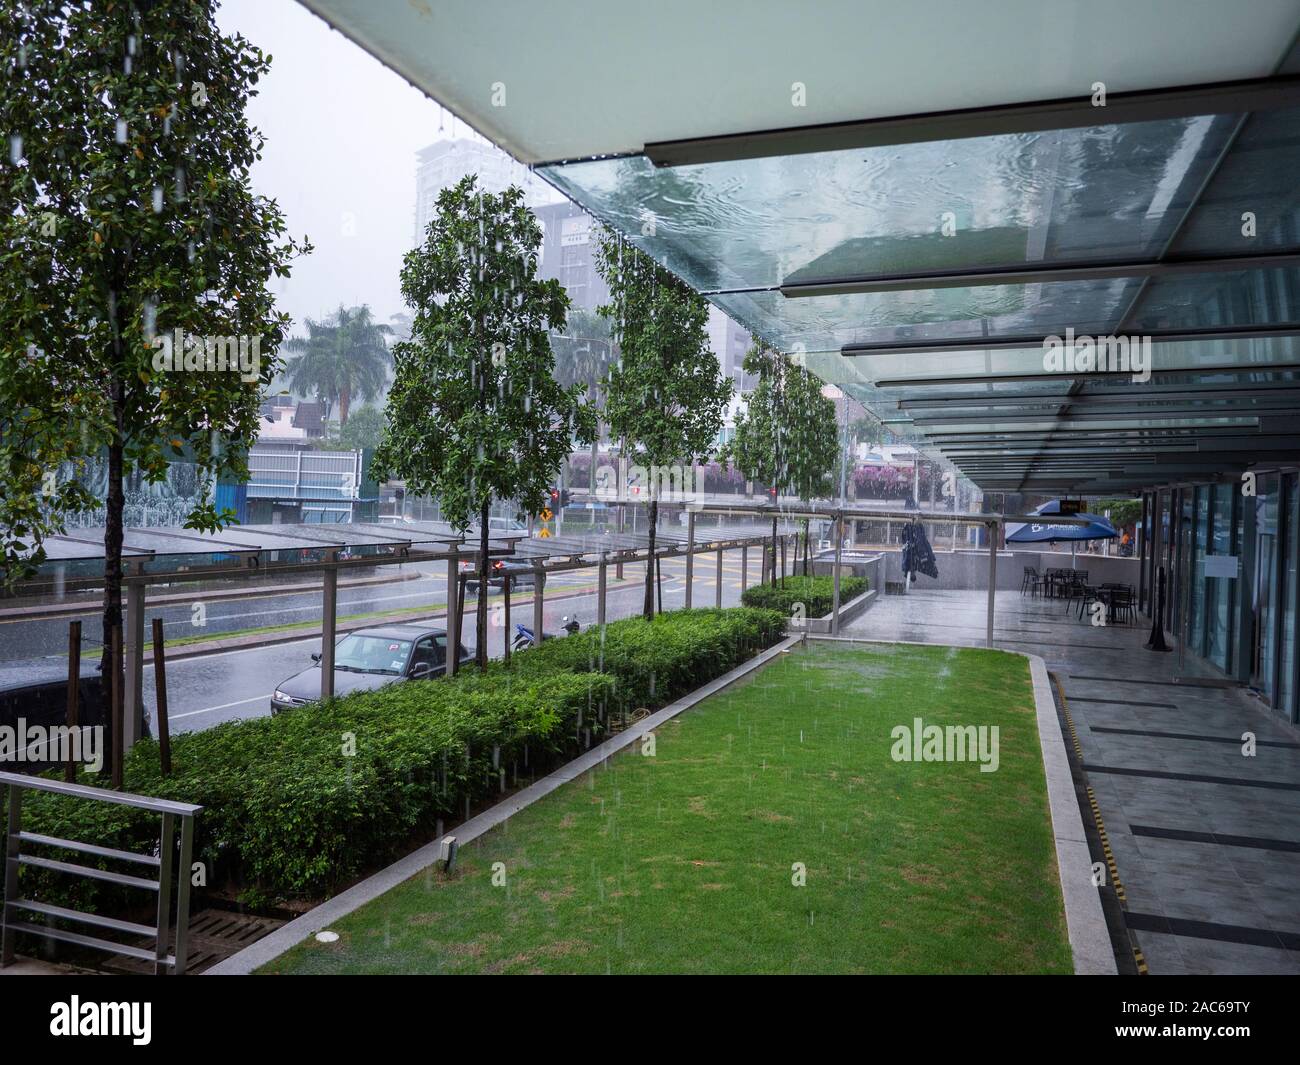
648 609
481 614
806 547
344 400
114 531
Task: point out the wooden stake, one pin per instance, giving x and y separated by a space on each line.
160 697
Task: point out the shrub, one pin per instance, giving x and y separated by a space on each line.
815 593
302 803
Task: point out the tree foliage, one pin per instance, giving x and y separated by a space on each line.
665 394
126 215
787 436
474 412
342 358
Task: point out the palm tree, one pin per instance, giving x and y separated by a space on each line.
341 358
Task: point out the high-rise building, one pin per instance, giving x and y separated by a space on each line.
569 240
730 342
445 162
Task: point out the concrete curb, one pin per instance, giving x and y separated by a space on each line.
1085 923
282 939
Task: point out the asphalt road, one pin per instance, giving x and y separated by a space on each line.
228 685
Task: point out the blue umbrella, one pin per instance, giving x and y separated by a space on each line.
1097 528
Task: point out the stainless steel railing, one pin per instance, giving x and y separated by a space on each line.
12 915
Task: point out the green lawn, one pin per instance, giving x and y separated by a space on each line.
682 862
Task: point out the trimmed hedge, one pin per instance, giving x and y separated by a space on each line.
815 593
301 803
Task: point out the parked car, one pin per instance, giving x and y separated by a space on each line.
369 659
522 575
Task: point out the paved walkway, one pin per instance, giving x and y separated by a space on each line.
1206 840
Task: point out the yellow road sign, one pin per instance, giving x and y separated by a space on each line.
545 534
546 514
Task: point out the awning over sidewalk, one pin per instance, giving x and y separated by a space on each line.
919 197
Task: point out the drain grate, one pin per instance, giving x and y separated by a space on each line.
214 936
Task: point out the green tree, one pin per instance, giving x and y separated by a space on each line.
365 429
340 359
127 220
1122 511
584 352
474 413
787 436
665 395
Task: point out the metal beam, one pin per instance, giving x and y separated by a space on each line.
1037 340
1072 112
1035 274
987 378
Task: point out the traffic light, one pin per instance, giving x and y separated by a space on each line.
555 498
564 497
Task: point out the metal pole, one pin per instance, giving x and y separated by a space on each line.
166 848
659 582
505 627
690 554
993 579
74 691
744 567
453 615
160 698
183 894
11 874
329 608
600 593
835 590
539 602
133 697
719 596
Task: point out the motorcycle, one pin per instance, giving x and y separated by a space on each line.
524 635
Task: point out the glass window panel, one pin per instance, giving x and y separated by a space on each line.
1238 297
827 323
1265 577
1221 590
1287 685
1105 192
1257 175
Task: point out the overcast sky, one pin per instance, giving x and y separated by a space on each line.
342 132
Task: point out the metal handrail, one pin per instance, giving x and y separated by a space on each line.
169 812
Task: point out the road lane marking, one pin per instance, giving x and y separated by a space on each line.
224 706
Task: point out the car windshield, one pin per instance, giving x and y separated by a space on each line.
371 654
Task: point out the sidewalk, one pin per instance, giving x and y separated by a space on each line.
1206 840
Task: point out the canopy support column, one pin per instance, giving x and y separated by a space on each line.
539 602
453 614
329 609
718 599
835 591
600 594
690 554
993 580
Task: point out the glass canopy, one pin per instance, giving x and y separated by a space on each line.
928 278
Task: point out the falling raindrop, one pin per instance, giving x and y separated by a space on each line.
22 57
120 132
130 44
150 316
126 65
189 251
16 148
157 199
180 184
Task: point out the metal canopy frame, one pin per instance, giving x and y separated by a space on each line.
1074 112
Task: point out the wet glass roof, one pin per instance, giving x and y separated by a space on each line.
925 277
